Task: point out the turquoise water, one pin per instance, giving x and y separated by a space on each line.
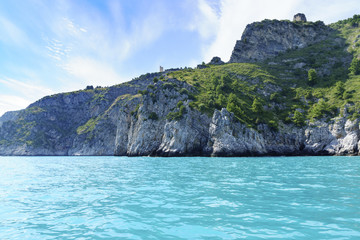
179 198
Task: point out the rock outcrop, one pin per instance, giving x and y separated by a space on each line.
269 38
216 61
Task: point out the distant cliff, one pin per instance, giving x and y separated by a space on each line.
269 38
291 88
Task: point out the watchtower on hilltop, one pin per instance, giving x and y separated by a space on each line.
300 17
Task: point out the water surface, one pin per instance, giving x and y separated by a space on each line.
179 198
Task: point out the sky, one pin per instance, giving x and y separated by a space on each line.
55 46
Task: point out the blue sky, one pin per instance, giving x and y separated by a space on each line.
55 46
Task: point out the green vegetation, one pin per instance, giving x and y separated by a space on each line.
320 109
179 104
353 22
339 90
312 76
135 111
153 116
349 30
178 114
184 91
99 97
34 110
143 92
150 86
232 86
298 119
88 126
301 84
355 66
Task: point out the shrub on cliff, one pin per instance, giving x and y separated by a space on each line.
298 119
321 109
312 76
153 116
179 114
355 66
339 90
257 107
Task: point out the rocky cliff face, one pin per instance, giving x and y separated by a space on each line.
269 38
223 135
56 125
126 129
338 137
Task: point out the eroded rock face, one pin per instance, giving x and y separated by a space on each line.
138 134
349 144
269 38
123 131
50 125
188 136
229 138
216 61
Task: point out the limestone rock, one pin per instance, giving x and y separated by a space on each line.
269 38
299 65
216 61
318 136
185 136
349 144
229 138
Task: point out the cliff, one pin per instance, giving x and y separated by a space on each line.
269 38
290 89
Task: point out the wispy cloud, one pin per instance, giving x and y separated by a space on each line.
23 92
12 103
10 33
92 72
206 22
26 88
75 44
93 50
57 50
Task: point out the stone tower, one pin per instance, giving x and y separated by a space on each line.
161 69
300 17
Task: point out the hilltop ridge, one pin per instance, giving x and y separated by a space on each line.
269 38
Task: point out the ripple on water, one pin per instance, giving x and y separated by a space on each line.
179 198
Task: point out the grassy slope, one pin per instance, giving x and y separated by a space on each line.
286 84
237 83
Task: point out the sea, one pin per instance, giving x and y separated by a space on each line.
179 198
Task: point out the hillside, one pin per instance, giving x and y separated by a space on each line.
290 88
